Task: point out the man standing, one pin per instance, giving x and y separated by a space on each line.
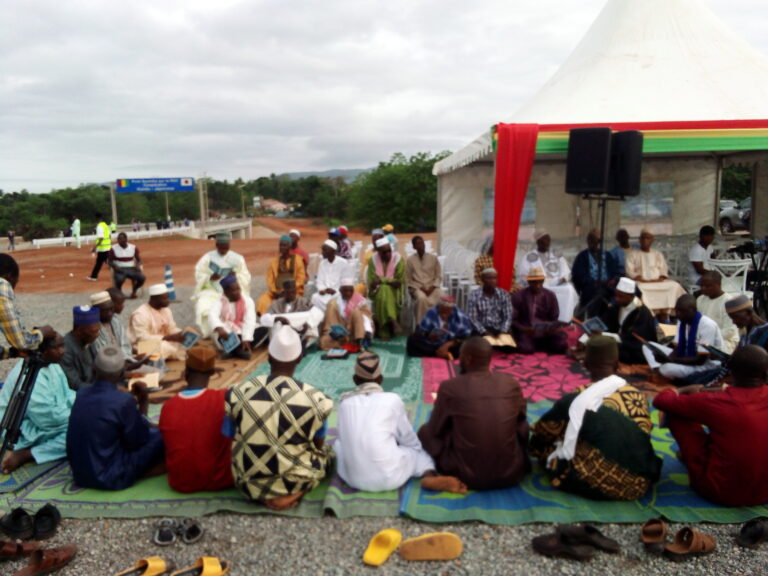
75 228
424 278
478 429
233 313
102 247
125 260
386 288
211 268
153 320
699 254
490 310
556 270
586 269
279 428
77 362
17 336
197 455
441 332
284 266
727 463
349 310
535 325
329 274
712 303
11 240
744 316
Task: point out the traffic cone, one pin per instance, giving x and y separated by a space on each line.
169 283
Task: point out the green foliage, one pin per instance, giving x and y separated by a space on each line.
402 192
736 182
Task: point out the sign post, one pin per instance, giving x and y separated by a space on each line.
139 185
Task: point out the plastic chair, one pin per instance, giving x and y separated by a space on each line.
734 274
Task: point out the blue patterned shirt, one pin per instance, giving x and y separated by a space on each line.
458 325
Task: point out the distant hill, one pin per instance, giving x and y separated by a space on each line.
348 175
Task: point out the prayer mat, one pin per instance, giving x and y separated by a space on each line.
541 376
535 500
643 378
402 374
24 475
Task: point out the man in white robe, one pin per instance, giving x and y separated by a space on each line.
153 321
711 303
556 270
234 312
329 274
209 270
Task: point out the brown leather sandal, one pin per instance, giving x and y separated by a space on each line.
688 544
47 561
654 535
17 550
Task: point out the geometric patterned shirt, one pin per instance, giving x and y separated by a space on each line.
490 313
10 324
276 420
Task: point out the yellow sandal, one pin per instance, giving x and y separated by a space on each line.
151 566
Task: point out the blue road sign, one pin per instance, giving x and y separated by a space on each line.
136 185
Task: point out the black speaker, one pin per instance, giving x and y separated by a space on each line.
626 163
588 164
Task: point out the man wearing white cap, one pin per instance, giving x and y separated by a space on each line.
386 288
624 317
490 310
329 274
556 270
296 249
112 332
153 320
349 310
278 425
209 270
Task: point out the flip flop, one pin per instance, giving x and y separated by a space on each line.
17 550
552 545
654 535
688 544
151 566
18 524
588 535
46 561
190 531
205 566
433 546
46 520
753 533
165 532
381 546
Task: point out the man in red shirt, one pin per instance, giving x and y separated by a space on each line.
729 464
198 456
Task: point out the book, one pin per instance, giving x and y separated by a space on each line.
594 324
151 379
336 354
230 342
152 349
717 354
221 271
191 336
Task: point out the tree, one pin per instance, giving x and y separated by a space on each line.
737 182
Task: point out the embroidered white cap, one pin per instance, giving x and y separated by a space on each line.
158 289
100 298
626 285
284 344
331 244
382 242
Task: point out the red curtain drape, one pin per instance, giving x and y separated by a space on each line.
515 153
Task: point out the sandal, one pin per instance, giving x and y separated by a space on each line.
46 520
206 566
434 546
151 566
588 535
190 531
45 561
753 533
18 524
381 546
552 545
654 535
165 532
15 550
688 544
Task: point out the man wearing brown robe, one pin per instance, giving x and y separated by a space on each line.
478 429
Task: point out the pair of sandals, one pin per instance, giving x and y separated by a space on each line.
157 566
19 524
432 546
575 542
688 542
168 530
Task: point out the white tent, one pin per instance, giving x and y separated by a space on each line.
640 62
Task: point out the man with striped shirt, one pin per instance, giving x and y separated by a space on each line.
125 261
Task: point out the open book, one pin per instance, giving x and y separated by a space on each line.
594 324
151 379
216 269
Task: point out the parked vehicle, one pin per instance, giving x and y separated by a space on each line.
726 203
736 218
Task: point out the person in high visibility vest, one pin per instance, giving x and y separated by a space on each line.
102 247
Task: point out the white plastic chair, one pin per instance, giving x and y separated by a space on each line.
734 274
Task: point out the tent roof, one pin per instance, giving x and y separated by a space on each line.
646 62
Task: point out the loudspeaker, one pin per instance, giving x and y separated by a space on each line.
626 163
588 164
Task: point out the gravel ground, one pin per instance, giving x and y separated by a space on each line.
264 544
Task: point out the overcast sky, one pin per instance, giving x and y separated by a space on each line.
94 90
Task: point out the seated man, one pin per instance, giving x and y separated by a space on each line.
727 462
295 236
596 442
648 268
620 251
349 310
376 448
556 270
344 247
535 324
689 362
386 287
376 233
111 332
744 316
490 310
279 429
110 442
424 278
587 268
233 313
125 261
485 260
711 303
329 273
153 320
77 362
627 317
211 268
284 266
441 332
478 430
197 455
44 426
699 254
297 310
